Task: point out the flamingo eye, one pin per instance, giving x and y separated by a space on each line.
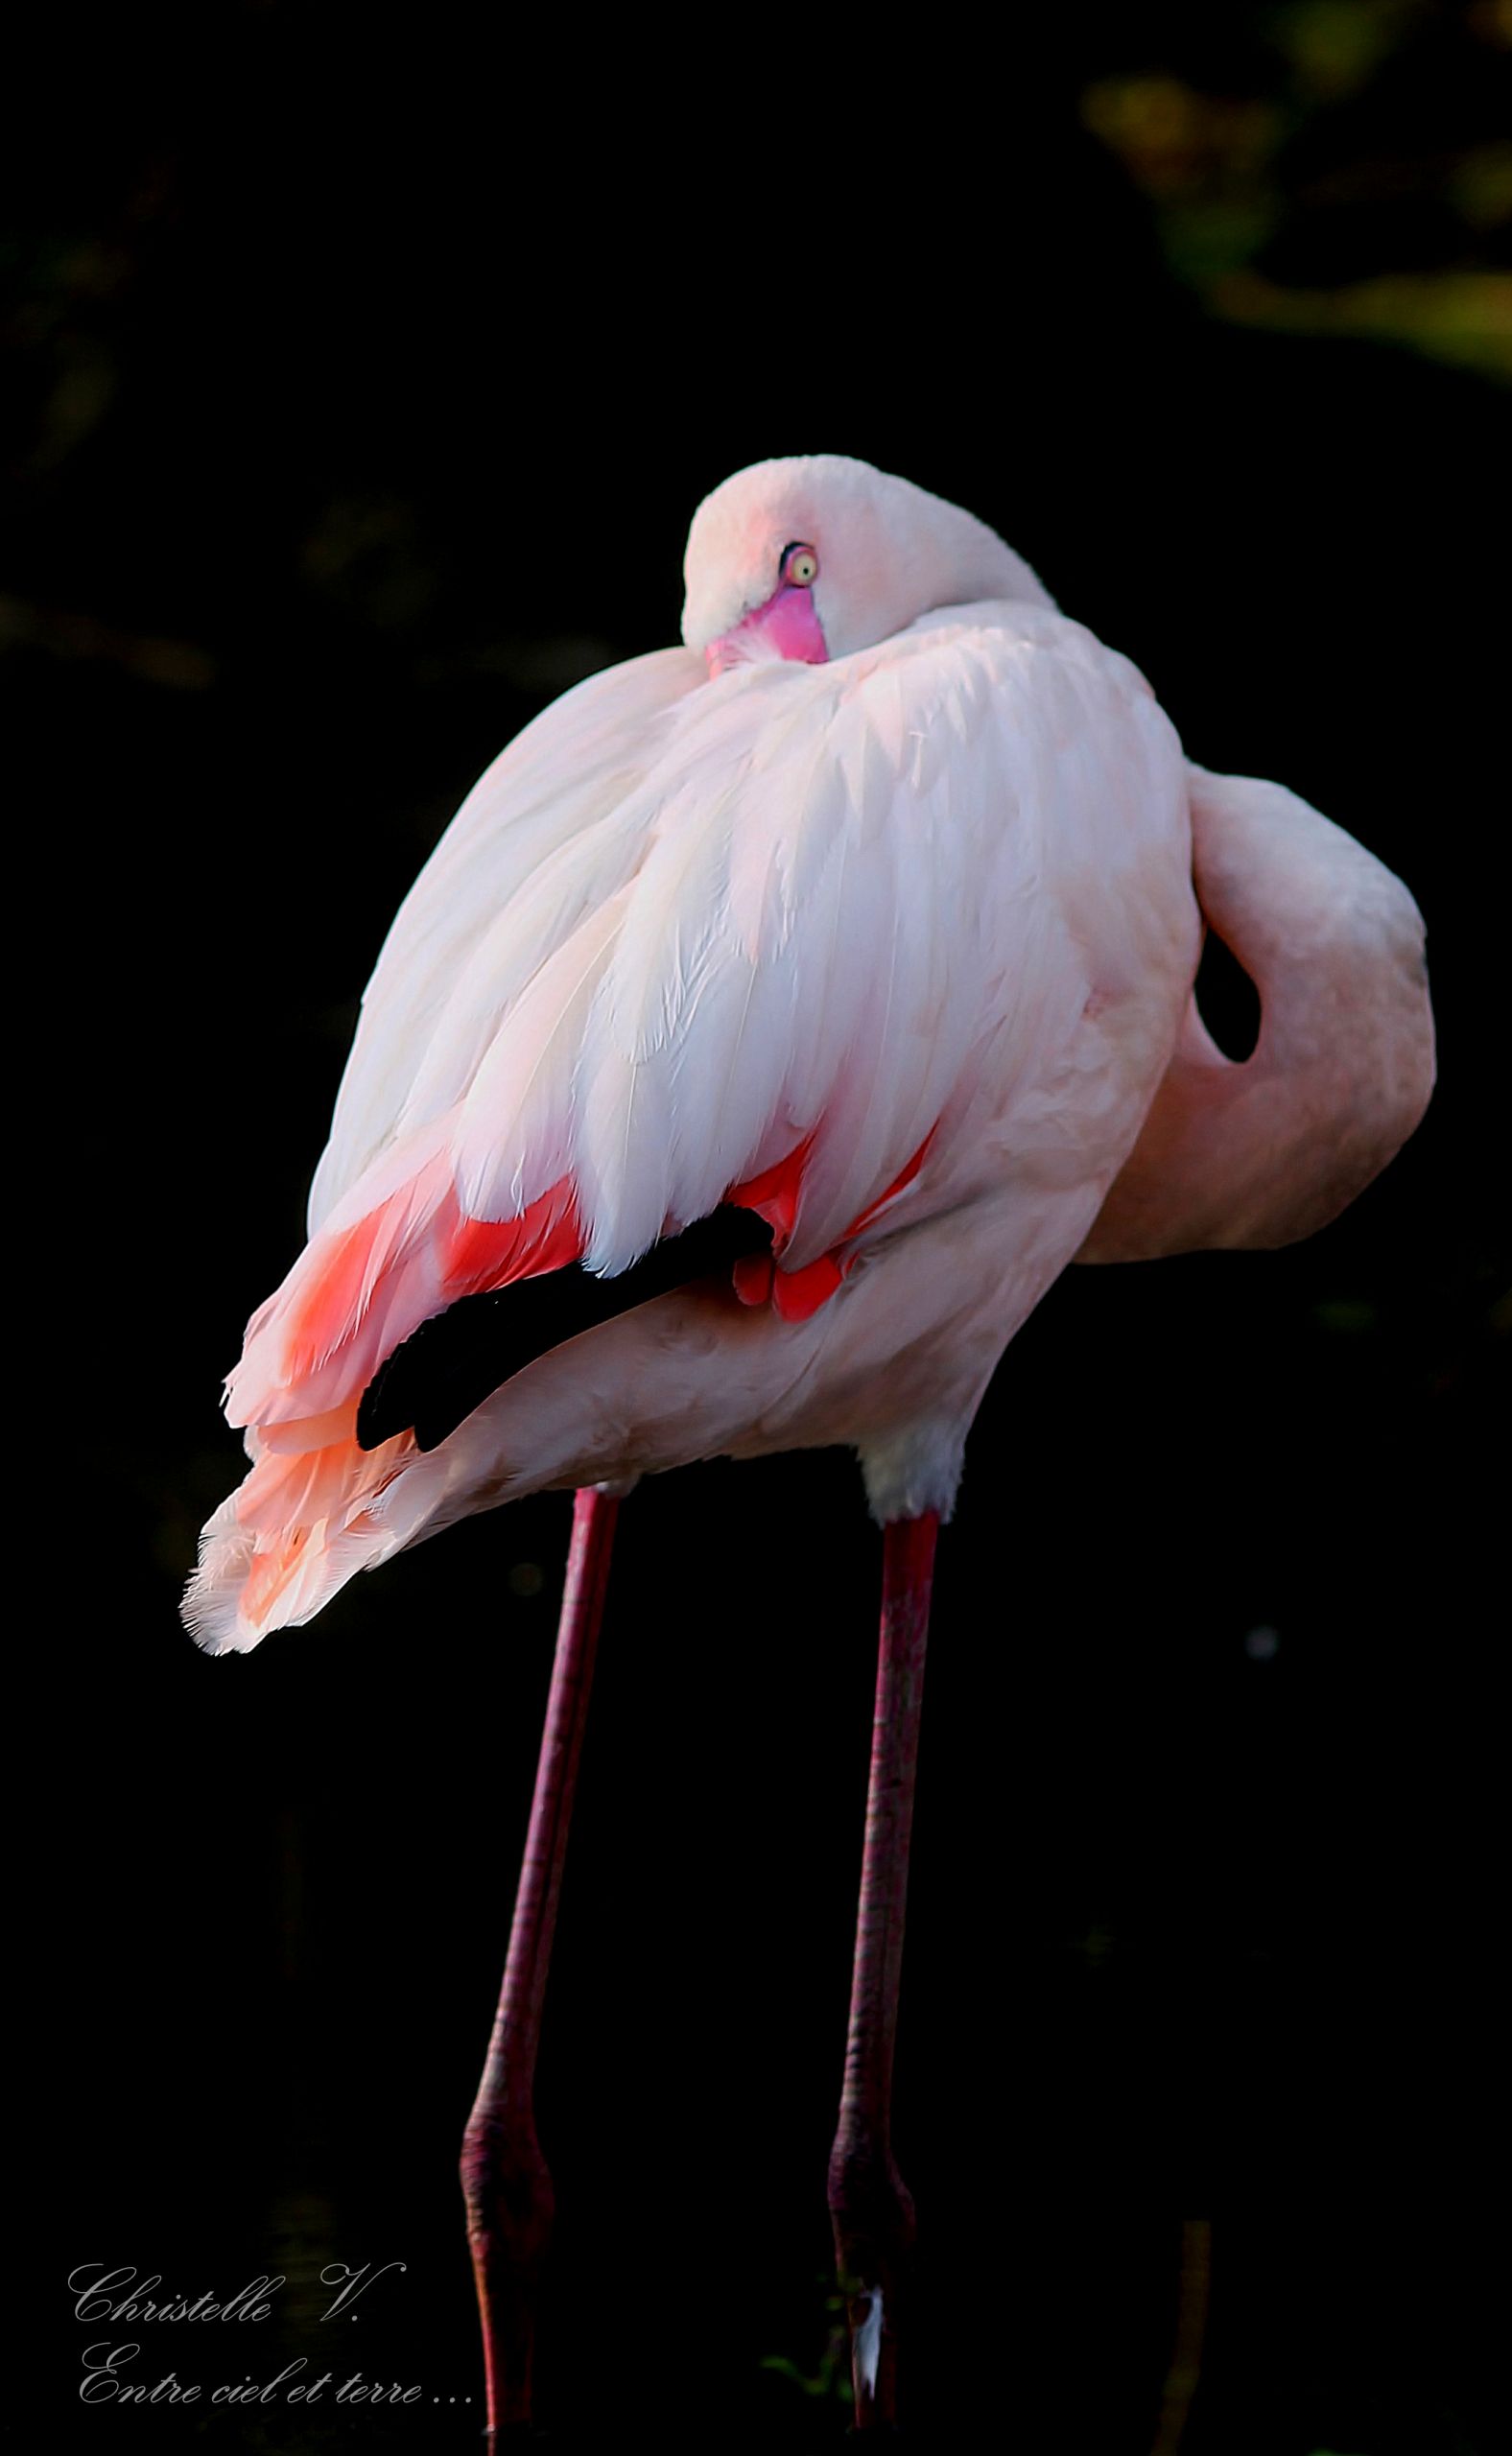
800 566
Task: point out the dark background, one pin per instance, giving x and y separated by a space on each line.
365 385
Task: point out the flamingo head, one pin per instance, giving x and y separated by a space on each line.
813 558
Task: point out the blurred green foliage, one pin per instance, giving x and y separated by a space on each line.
1346 170
829 2382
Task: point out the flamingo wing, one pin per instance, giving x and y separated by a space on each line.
759 962
751 967
515 850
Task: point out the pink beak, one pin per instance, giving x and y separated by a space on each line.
787 626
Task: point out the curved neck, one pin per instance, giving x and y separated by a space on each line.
1267 1151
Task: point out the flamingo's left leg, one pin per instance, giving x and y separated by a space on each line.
505 2181
869 2202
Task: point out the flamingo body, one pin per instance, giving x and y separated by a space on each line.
870 910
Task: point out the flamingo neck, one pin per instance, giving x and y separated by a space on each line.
1268 1151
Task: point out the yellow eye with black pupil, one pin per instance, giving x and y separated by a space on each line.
800 566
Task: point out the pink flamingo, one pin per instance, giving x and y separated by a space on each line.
778 1017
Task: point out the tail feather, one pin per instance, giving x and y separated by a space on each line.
311 1511
300 1526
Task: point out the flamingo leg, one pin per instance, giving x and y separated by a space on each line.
869 2204
507 2183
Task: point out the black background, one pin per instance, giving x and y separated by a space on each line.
369 384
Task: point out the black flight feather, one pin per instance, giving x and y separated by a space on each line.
442 1371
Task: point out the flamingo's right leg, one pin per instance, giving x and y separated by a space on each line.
505 2181
869 2202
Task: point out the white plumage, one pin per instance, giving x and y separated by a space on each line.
931 896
